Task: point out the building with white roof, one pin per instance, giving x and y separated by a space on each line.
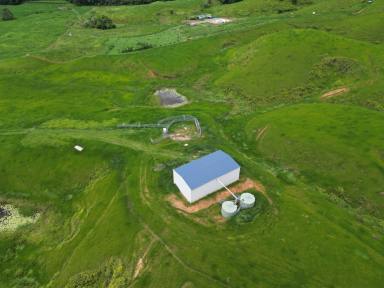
206 175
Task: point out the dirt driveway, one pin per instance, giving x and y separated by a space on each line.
247 184
334 93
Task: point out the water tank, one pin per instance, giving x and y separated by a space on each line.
247 200
228 209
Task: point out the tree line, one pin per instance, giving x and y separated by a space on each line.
11 2
112 2
91 2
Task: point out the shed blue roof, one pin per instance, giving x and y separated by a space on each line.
206 168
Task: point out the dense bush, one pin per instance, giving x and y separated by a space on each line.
140 46
229 1
112 2
7 15
248 215
300 2
99 22
11 2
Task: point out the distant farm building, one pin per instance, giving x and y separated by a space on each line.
78 148
206 175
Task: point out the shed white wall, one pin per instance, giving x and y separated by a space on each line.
182 185
214 185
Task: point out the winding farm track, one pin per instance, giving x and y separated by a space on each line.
140 263
110 136
180 261
144 190
86 236
44 59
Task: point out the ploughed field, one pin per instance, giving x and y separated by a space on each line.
102 217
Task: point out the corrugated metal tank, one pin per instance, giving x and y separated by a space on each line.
229 209
247 200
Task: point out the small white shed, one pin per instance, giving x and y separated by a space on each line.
78 148
199 177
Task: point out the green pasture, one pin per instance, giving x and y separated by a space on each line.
255 85
339 147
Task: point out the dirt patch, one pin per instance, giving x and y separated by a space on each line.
336 92
213 21
180 137
138 268
185 133
141 262
206 203
170 97
188 285
152 74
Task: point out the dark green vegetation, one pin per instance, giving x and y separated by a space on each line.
6 14
11 2
229 1
255 84
100 22
113 2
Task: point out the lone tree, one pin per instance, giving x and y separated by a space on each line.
6 15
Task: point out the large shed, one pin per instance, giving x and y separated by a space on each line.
206 175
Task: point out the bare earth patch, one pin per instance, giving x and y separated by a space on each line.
152 74
334 93
180 137
140 265
11 219
206 203
138 268
183 134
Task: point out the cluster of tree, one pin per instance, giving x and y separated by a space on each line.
100 22
7 15
229 1
140 46
11 2
300 2
112 2
207 4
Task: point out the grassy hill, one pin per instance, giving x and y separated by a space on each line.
265 89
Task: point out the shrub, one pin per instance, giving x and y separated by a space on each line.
7 15
249 215
140 46
11 2
100 22
229 1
